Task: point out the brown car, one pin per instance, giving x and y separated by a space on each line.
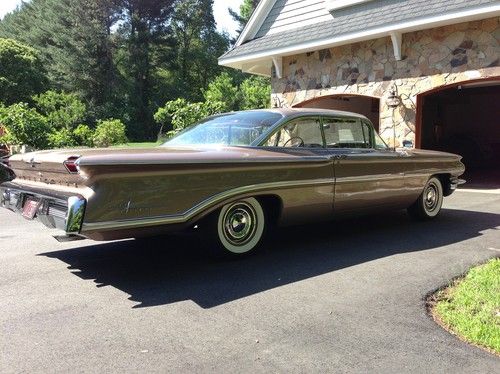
233 176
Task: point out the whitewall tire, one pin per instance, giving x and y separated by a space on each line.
240 227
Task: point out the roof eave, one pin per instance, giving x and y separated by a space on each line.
388 30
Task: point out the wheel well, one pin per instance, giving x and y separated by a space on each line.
272 205
445 182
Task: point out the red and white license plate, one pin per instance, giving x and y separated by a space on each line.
30 207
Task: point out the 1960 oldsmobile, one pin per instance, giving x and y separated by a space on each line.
233 175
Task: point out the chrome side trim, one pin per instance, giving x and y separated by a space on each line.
87 161
74 217
192 212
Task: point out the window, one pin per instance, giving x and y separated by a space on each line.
379 143
346 133
304 132
332 5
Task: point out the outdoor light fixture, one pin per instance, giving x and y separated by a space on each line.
393 100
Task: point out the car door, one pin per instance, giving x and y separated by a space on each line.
368 175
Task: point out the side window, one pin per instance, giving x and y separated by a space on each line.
304 132
379 142
346 133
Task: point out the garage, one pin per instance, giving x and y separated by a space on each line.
365 105
464 119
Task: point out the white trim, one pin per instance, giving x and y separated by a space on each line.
256 20
332 5
278 66
414 25
397 40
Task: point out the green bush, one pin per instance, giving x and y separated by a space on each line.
108 132
182 113
62 138
84 135
256 93
223 90
24 125
63 110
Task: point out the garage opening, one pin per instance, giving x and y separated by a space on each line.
465 119
365 105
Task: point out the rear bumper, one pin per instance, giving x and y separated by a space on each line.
64 211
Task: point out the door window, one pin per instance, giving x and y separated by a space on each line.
304 132
346 133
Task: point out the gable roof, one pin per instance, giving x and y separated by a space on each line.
362 21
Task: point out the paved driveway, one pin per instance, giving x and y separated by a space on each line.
339 297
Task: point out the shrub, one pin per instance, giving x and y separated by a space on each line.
84 135
108 132
256 93
63 110
182 113
62 138
24 125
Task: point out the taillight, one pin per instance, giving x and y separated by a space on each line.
71 165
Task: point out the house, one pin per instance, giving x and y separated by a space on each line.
425 72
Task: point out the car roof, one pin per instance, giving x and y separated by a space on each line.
292 112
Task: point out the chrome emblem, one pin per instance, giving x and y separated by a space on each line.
32 162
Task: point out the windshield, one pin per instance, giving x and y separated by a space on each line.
238 128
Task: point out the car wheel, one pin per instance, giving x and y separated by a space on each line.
428 204
240 227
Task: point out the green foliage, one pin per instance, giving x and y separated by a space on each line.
63 110
223 90
471 307
62 138
108 132
182 113
256 93
245 12
83 135
24 125
21 72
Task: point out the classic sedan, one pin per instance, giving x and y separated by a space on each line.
233 177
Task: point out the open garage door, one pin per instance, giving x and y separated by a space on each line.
465 119
365 105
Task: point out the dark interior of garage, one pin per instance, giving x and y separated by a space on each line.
466 120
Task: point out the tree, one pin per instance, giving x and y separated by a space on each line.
223 90
198 45
245 12
63 110
24 126
256 93
21 73
181 113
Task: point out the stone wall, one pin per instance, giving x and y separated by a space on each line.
431 58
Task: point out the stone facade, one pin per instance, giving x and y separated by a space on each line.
430 59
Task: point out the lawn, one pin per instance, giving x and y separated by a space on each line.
470 307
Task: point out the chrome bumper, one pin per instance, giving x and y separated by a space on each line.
63 211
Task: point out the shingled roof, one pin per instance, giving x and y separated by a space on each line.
356 18
353 20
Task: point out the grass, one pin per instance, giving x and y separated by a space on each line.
470 308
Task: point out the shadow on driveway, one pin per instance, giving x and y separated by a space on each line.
173 269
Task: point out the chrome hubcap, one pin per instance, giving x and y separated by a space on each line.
431 197
239 223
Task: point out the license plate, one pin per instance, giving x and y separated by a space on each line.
30 207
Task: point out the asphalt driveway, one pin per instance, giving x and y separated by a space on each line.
338 297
